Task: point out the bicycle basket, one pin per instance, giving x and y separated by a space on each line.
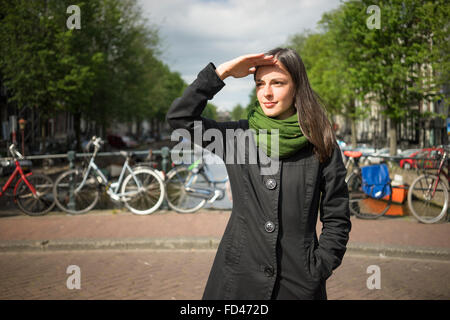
375 181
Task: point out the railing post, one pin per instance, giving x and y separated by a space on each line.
165 154
71 155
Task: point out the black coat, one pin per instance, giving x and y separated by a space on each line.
270 247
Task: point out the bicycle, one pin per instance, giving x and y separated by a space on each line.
370 190
77 191
191 187
428 195
32 192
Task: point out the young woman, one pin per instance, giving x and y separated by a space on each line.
270 249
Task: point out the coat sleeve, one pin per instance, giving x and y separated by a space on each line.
334 215
185 112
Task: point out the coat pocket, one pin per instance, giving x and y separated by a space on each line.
235 242
310 259
315 267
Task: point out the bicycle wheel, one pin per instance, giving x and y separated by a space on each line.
71 199
143 191
427 204
176 195
37 205
361 204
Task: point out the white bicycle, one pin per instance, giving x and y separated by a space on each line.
77 191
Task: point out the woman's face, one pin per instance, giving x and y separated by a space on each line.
275 91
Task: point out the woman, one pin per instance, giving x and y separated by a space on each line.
270 249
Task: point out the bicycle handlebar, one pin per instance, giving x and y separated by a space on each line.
15 154
96 141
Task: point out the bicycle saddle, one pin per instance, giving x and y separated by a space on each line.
353 154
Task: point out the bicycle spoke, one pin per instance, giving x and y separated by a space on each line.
27 201
143 191
77 202
428 199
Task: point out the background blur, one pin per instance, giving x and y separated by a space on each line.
383 72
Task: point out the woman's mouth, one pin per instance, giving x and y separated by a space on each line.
269 104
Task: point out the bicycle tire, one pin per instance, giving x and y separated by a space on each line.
362 205
150 197
425 207
35 206
84 200
177 198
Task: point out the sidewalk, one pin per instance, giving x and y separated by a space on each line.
115 229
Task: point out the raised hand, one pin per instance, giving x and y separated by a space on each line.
244 65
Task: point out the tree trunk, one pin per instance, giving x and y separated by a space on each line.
138 128
351 113
77 127
43 137
392 137
354 142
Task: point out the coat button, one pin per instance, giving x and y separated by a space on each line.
269 226
268 271
271 184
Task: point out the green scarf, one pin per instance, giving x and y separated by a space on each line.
291 138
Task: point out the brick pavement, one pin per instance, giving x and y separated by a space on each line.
124 226
175 274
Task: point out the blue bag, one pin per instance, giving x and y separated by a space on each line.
376 181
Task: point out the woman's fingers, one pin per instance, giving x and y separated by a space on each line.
253 56
263 60
258 58
244 65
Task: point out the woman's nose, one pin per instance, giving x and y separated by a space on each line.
268 91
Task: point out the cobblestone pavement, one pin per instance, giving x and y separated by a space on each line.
182 274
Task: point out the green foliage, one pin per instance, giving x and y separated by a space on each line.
252 102
108 70
402 64
238 113
210 111
323 66
396 65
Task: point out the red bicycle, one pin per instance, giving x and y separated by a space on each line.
428 195
33 193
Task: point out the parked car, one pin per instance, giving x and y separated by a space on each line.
379 156
117 141
425 159
406 154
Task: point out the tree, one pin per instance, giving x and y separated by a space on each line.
210 111
238 113
394 66
101 72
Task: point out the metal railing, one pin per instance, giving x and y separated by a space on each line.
71 156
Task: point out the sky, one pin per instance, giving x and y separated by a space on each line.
196 32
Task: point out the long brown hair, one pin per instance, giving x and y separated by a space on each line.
311 114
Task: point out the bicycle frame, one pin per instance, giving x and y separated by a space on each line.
439 172
17 171
114 189
206 172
